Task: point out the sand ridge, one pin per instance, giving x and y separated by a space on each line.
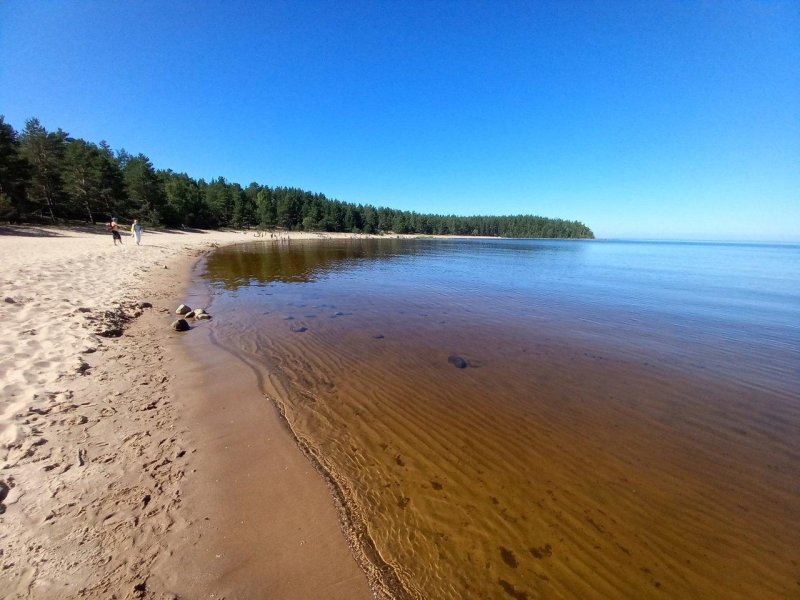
93 451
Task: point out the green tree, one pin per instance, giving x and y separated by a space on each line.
48 174
219 201
185 201
267 215
146 195
83 177
113 195
14 173
44 151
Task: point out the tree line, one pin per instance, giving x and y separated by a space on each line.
48 176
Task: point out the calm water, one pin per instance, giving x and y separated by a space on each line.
627 423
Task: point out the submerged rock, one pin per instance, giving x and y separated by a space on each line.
202 316
183 309
457 361
190 315
180 325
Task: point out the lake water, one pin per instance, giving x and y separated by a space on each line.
538 419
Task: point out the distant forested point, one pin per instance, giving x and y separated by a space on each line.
48 176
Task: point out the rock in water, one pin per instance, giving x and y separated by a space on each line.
190 315
9 300
202 316
199 311
457 361
183 309
180 325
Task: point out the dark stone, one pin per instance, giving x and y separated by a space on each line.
9 300
109 333
145 305
508 557
180 325
4 489
378 337
183 309
457 361
544 551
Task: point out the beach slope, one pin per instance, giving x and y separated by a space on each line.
123 471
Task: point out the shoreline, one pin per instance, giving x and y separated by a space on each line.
382 578
594 451
279 535
148 464
93 434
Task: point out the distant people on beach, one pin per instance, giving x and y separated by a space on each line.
114 229
136 230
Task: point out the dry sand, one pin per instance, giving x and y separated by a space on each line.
136 462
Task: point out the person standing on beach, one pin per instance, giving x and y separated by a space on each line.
114 229
136 230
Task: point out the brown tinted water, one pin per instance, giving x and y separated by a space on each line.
605 448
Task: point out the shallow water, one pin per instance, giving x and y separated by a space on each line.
626 423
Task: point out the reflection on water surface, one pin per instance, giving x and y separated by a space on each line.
625 424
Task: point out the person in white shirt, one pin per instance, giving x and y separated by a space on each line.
136 230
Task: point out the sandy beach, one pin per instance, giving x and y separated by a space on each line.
138 462
135 462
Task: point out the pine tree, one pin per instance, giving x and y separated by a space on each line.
144 189
14 173
44 151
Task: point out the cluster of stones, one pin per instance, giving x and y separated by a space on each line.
187 312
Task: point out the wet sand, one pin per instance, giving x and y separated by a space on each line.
264 524
128 470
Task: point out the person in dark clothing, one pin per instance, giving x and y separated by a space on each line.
114 229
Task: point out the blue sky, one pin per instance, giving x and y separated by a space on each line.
641 119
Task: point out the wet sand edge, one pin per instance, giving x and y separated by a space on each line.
261 520
382 577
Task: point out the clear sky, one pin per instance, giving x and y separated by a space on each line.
641 119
